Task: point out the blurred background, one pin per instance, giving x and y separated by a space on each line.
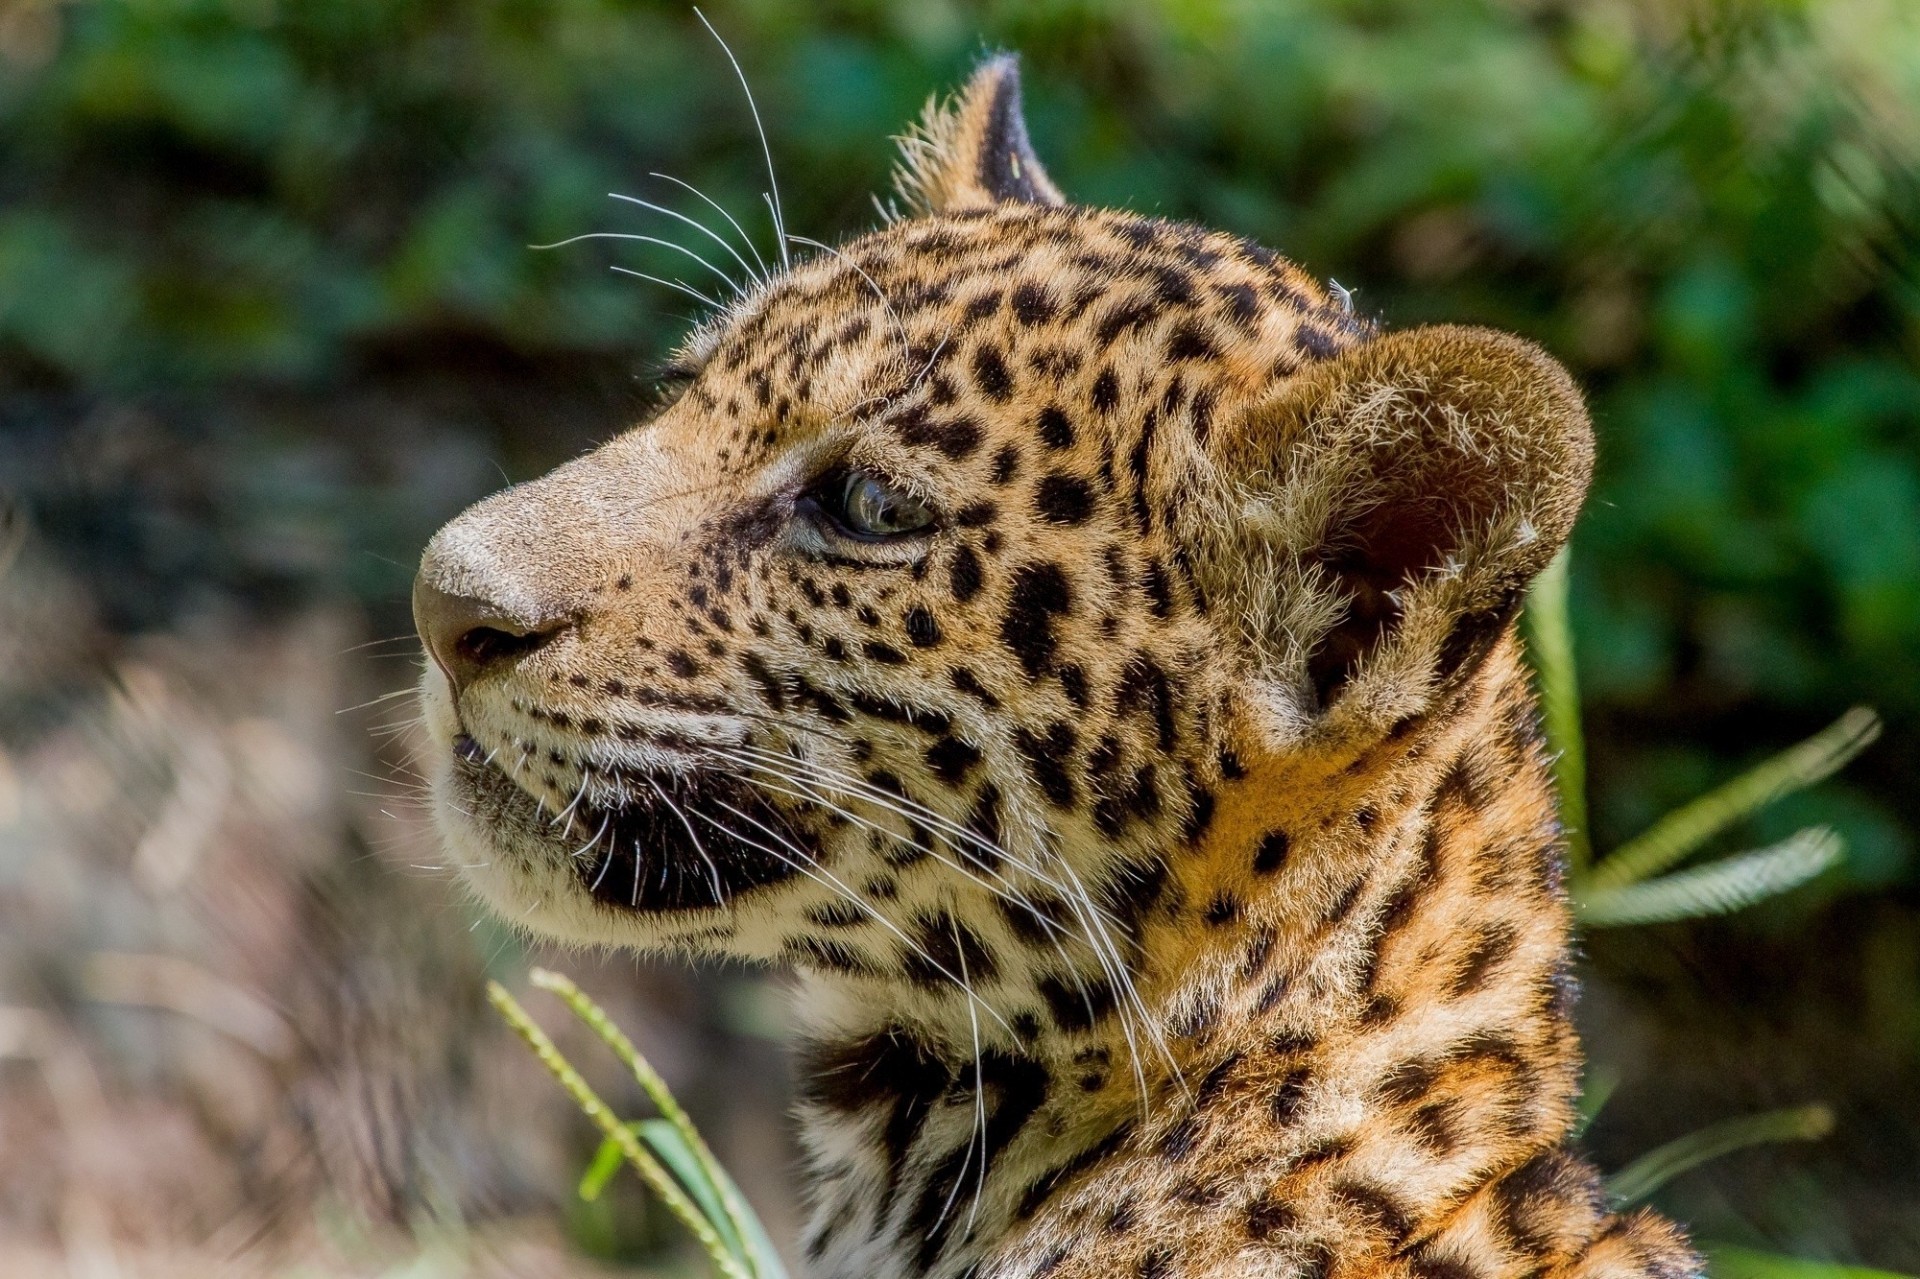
268 315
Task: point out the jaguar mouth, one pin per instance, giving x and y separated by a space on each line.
674 841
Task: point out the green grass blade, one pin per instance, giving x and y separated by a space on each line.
1718 888
606 1163
712 1185
1724 1261
1681 833
670 1146
651 1171
759 1246
756 1251
1550 647
1595 1091
1659 1166
740 1223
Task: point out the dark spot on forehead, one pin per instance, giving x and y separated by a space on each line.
1006 464
1063 498
1033 304
990 372
1054 428
1106 391
956 436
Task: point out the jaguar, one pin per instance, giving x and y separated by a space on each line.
1083 648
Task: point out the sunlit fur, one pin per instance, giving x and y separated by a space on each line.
1166 838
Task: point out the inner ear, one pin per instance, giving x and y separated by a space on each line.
1411 525
1374 559
1402 495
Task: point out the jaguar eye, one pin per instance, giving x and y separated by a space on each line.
869 506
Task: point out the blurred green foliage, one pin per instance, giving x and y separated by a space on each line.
1709 208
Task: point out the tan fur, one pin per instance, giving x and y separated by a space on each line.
1163 833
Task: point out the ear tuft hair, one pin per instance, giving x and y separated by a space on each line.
973 151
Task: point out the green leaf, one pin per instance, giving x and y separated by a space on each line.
1550 646
707 1180
1659 1166
759 1249
1725 1261
1681 833
696 1175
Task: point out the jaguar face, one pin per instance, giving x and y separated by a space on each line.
923 624
894 585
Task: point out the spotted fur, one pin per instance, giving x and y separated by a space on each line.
1163 833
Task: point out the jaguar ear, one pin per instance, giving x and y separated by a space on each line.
973 152
1387 509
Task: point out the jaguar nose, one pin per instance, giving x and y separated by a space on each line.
468 635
